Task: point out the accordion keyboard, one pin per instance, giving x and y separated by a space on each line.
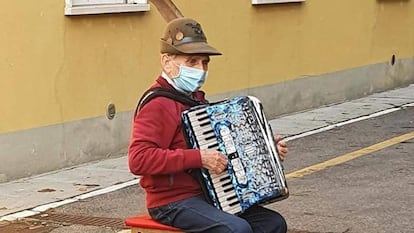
237 129
222 183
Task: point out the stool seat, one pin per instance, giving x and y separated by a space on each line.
144 223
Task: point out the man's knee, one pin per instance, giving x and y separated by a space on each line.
280 224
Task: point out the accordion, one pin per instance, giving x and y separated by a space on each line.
238 128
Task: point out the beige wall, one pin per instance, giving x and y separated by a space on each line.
57 70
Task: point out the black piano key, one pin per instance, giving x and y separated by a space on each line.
234 203
213 146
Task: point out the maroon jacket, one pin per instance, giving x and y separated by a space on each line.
158 151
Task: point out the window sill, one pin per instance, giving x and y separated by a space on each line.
258 2
102 9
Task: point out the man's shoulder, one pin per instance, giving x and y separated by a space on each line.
163 105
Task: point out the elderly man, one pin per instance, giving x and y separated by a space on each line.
158 151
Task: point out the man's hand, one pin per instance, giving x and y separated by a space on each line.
213 160
282 147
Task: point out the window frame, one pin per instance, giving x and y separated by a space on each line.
87 7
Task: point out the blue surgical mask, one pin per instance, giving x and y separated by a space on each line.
189 79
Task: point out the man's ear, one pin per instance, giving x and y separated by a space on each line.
166 63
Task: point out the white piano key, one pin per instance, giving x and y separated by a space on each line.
224 178
210 146
196 113
222 183
214 176
204 132
220 176
227 205
196 125
210 140
228 197
202 141
201 117
201 126
225 188
233 209
229 200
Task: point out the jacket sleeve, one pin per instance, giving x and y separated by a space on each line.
154 129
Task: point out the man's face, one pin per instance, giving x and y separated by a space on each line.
193 61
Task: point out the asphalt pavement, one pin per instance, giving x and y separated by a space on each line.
34 195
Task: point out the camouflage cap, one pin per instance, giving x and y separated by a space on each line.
185 36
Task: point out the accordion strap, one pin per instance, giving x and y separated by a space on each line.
164 92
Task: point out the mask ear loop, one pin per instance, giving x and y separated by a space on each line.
179 69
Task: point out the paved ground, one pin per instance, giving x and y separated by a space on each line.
333 200
372 193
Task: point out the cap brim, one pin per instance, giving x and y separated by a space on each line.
189 48
197 48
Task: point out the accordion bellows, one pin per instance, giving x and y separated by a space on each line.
239 129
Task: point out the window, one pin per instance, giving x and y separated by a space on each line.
257 2
83 7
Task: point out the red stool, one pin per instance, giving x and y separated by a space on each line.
144 224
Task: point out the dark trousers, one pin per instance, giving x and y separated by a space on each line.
196 215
